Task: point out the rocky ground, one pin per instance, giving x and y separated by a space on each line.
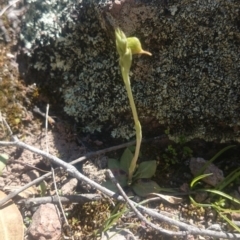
24 108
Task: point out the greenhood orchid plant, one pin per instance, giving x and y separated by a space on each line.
126 170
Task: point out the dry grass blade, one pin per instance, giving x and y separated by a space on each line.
169 199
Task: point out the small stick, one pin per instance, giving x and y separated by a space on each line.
80 198
38 111
1 121
46 128
7 126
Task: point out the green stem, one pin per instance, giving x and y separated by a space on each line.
125 75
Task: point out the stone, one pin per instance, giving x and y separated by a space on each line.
30 176
69 187
45 223
196 165
118 234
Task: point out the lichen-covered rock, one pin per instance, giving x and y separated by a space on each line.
191 83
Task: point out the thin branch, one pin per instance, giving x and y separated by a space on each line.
1 121
3 143
80 198
7 126
46 128
38 111
139 215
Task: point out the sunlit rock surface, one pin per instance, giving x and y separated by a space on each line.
191 84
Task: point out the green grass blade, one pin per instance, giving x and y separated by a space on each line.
223 210
196 179
115 215
229 222
229 179
223 195
199 204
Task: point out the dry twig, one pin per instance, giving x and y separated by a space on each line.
79 198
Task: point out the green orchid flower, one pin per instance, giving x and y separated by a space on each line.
126 47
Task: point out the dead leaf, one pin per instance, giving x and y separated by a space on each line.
11 222
27 193
170 199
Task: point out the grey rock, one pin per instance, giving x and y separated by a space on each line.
69 186
118 234
30 176
45 223
196 165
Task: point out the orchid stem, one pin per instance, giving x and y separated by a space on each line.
138 128
126 47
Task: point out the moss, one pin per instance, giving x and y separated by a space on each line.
9 93
14 96
89 217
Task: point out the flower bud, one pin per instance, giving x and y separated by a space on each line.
134 44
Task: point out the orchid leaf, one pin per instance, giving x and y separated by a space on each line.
113 163
146 170
126 159
110 185
144 187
